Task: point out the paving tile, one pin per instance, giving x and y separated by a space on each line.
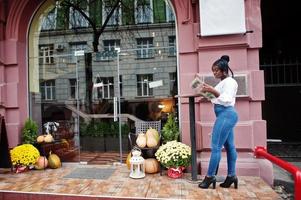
119 184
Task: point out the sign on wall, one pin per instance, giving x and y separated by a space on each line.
222 17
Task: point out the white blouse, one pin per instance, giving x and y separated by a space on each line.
227 89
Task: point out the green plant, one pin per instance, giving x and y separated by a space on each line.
170 130
29 132
174 154
103 129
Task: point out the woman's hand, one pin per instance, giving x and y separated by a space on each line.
207 88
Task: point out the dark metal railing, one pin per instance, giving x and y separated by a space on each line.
282 72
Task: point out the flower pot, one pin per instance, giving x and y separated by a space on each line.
21 169
175 172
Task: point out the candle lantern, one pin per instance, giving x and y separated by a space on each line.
137 164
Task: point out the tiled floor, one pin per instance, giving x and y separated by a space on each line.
153 186
101 158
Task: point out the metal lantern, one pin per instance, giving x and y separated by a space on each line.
137 164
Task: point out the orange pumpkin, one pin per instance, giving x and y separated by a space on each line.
128 164
41 163
151 165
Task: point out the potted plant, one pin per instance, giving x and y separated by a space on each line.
175 156
170 130
23 157
102 136
29 132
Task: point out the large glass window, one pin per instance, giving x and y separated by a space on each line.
143 88
57 76
144 46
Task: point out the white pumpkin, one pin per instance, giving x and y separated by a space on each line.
151 142
152 138
152 133
40 139
141 140
48 138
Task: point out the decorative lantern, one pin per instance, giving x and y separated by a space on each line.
137 164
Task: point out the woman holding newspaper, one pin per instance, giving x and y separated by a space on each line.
226 118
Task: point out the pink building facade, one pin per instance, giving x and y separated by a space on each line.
195 55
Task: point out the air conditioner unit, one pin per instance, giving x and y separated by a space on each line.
242 81
60 47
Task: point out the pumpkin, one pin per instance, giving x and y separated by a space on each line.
41 163
54 161
141 140
40 139
151 142
48 138
152 137
65 143
128 158
151 165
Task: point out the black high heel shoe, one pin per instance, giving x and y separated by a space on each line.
228 182
207 182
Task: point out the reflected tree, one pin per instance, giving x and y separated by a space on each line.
97 15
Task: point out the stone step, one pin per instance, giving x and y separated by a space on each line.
246 165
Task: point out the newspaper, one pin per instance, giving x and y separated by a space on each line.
197 84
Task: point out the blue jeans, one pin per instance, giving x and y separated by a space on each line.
222 135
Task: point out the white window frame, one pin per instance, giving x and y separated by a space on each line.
72 87
143 80
116 15
48 85
172 51
120 85
145 47
109 52
141 17
172 81
170 17
46 54
80 46
104 92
